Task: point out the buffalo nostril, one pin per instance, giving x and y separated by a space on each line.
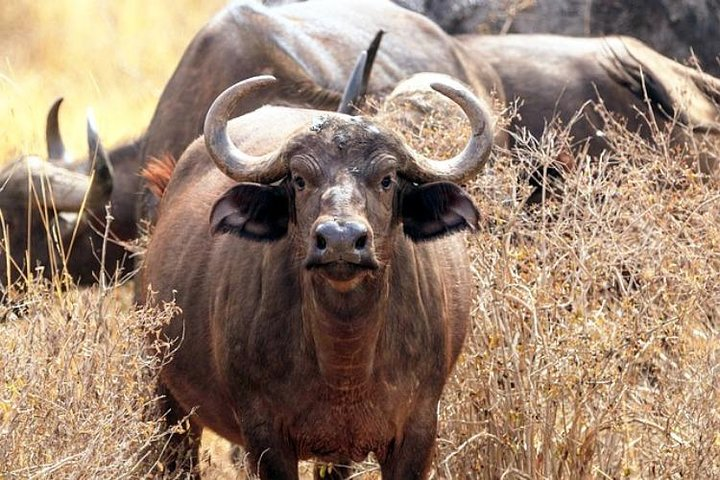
361 242
320 242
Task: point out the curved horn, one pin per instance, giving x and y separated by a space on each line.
55 145
66 192
468 162
99 164
237 165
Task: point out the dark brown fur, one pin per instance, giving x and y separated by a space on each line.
275 355
554 77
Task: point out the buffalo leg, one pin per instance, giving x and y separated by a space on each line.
182 450
270 457
410 457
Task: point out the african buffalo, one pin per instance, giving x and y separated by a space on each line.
556 77
324 294
673 27
53 212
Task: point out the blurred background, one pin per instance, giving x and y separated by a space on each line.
113 56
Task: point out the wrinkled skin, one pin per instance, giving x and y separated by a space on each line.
298 349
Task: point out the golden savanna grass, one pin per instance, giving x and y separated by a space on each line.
112 56
594 349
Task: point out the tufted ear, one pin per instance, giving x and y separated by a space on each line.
253 211
435 209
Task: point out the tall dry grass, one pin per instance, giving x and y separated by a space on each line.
74 370
594 347
77 395
594 351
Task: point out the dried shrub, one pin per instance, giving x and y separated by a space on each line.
594 347
77 384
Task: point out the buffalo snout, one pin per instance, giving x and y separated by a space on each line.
342 240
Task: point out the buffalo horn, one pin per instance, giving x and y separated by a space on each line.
66 188
467 163
357 85
55 145
237 165
351 95
99 163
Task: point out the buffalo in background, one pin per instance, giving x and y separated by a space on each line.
559 79
673 27
54 210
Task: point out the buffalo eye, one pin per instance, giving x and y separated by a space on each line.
386 182
299 183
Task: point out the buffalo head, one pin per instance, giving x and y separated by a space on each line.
46 204
342 186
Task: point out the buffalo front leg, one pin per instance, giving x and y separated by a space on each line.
409 457
181 454
269 456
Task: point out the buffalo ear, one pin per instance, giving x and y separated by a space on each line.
435 209
253 211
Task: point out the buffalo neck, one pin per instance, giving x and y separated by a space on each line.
343 328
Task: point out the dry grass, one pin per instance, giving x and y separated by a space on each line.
74 372
594 350
76 387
